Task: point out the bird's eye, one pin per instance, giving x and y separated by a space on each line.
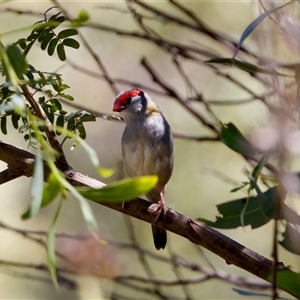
128 100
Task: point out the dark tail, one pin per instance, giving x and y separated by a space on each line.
159 237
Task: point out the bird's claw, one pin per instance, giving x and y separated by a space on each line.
161 209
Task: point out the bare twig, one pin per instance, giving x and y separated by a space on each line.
142 257
178 272
199 26
177 261
172 93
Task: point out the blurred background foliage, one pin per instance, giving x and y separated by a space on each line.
204 174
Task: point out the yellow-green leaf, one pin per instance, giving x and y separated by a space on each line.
123 190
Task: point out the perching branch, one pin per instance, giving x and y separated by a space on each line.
196 232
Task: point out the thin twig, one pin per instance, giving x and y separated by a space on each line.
172 93
142 257
178 272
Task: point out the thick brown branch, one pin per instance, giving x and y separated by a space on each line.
198 233
8 175
22 162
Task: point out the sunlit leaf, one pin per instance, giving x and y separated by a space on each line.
51 190
83 16
66 96
123 190
105 173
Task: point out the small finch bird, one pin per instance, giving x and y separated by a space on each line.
147 147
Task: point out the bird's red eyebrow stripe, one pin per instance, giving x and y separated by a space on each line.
122 98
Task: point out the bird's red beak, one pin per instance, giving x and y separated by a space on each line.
118 106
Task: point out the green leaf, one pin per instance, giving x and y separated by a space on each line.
60 123
233 139
55 103
63 112
254 24
22 43
105 173
26 137
55 85
259 211
63 87
17 61
71 43
82 132
82 18
260 165
66 96
67 32
15 120
291 238
55 21
51 256
36 189
86 117
60 19
51 190
123 190
53 17
245 66
61 52
44 33
71 122
4 125
46 40
287 280
52 46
